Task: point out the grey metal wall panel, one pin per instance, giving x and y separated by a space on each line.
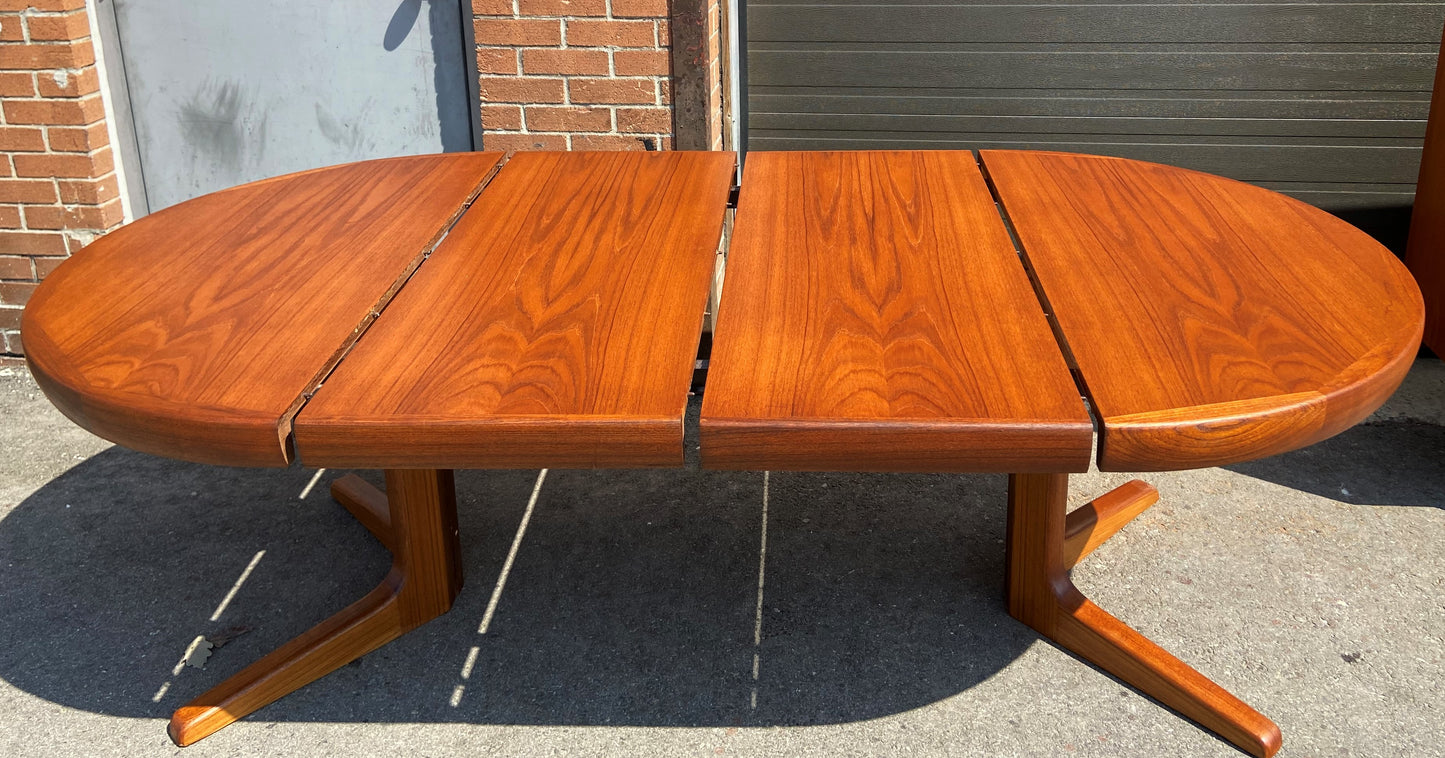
1115 23
1259 105
996 66
1323 100
1254 163
229 92
1128 3
1101 125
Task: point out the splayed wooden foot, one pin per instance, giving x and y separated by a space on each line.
367 504
1093 523
1044 543
417 520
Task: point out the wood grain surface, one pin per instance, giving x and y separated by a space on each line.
875 317
556 326
195 332
1213 321
1425 249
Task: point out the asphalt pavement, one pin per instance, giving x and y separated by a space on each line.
696 613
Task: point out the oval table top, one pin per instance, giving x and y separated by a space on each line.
938 311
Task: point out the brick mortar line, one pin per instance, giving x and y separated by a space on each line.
611 131
657 80
56 99
33 11
535 17
73 42
580 133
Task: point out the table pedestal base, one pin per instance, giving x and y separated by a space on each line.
1044 543
417 521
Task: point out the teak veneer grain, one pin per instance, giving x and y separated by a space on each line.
555 327
196 332
875 317
1213 322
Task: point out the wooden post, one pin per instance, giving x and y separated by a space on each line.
1425 249
420 528
690 84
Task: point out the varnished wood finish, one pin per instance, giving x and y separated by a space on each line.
1093 523
367 504
1213 321
875 317
1040 594
195 332
1425 249
425 577
555 327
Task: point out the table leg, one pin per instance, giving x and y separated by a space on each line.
368 504
420 528
1044 543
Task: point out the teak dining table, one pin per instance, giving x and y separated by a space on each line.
945 311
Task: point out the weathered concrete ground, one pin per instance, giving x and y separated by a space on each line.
1312 585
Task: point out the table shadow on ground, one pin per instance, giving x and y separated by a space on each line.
632 600
1386 462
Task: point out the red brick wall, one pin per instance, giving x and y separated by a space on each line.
575 74
58 187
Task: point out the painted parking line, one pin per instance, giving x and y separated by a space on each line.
762 576
471 660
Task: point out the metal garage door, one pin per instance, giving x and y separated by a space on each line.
212 94
1323 100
